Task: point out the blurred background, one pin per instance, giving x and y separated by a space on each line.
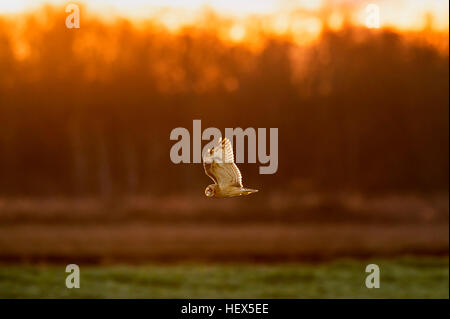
86 114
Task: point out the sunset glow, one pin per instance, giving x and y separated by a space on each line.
404 14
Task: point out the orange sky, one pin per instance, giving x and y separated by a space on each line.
402 14
302 19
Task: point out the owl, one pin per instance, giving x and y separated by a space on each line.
220 167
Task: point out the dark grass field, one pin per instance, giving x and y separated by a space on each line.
306 227
405 277
308 246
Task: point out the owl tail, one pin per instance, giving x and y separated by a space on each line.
248 191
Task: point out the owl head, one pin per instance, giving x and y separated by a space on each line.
210 191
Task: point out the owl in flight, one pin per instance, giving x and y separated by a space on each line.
219 165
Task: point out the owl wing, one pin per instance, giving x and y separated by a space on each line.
220 167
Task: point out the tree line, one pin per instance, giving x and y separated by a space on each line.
89 112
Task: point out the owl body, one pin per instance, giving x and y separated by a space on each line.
214 190
220 167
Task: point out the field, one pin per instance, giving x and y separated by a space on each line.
306 246
192 228
406 277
